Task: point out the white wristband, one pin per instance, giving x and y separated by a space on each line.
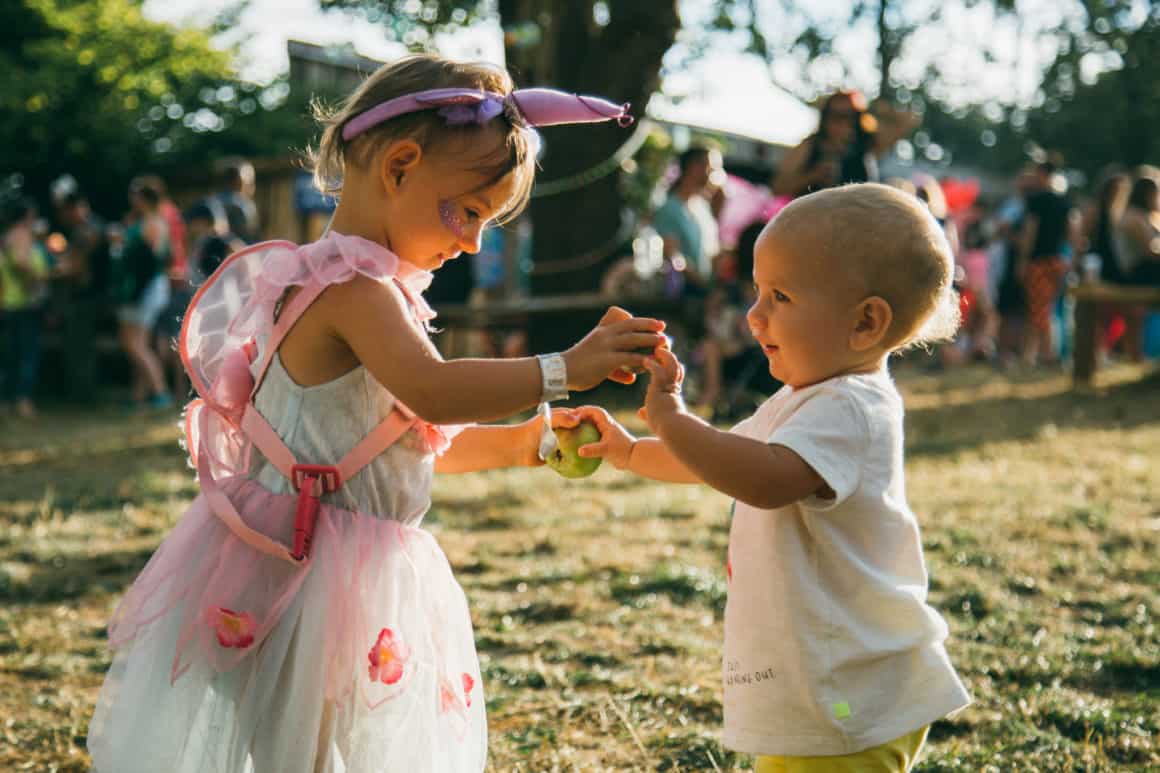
553 377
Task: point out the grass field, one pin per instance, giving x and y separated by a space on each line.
598 604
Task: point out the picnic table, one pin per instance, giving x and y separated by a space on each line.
1089 297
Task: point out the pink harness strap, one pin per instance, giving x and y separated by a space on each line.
225 510
287 318
311 481
378 440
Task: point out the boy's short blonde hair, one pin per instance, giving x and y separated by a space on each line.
886 243
514 153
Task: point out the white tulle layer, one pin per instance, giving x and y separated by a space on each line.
231 661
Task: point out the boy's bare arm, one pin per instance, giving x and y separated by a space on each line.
759 474
646 457
651 458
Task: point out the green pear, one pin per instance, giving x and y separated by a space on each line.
566 459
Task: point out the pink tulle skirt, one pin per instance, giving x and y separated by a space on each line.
228 660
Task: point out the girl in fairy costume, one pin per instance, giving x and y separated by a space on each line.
298 619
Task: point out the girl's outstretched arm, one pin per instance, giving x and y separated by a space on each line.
492 446
372 319
647 457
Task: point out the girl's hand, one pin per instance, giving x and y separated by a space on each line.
611 348
617 314
624 375
615 442
531 430
663 397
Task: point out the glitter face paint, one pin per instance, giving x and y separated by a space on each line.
451 218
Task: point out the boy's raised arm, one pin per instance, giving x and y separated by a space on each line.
760 474
646 457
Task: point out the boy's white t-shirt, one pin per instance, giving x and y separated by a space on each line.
830 646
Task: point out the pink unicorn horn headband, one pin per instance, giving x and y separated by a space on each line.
537 107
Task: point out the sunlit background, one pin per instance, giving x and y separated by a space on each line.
598 603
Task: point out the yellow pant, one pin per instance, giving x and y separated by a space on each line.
896 756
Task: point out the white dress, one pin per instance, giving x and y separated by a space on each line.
231 661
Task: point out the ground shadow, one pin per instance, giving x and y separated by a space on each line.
64 578
960 426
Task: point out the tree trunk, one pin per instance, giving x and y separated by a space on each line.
575 229
886 52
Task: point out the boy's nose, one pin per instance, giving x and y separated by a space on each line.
754 317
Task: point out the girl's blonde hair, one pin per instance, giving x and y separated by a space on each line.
515 153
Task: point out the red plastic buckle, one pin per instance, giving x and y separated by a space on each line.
303 477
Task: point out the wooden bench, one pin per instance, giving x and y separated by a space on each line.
1089 297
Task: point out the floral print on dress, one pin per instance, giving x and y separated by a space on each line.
468 683
426 438
388 658
234 629
449 699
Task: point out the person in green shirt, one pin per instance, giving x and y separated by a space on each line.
24 271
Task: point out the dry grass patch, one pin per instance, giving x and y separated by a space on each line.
598 603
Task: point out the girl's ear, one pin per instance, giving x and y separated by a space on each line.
872 320
398 160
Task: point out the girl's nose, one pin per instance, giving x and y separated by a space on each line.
471 240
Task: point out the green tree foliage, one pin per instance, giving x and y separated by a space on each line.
1100 101
416 22
812 32
1098 104
96 90
812 35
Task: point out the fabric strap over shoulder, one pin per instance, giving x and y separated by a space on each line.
230 333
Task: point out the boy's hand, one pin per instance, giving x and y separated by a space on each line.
615 442
663 397
529 446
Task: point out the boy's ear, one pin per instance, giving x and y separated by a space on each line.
872 319
397 161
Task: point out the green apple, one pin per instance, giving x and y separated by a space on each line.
566 459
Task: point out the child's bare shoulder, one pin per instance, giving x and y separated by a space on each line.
364 295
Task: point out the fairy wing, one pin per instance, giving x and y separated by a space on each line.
210 330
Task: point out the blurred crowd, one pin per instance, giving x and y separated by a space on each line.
1017 249
69 274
